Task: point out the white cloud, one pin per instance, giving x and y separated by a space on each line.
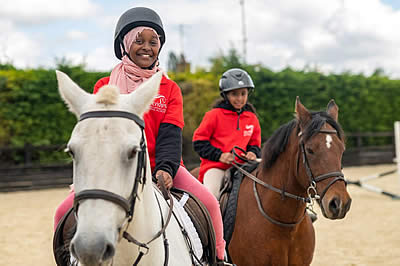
101 58
334 35
43 11
16 47
76 35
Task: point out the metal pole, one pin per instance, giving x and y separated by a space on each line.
244 32
397 145
181 35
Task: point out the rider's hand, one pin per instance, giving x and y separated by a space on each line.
251 156
167 179
226 157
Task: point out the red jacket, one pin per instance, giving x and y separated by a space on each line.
167 107
224 129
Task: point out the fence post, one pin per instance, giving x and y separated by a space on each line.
28 153
359 141
397 145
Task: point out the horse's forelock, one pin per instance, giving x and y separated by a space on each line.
108 94
277 143
317 121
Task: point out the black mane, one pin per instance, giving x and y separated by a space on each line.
276 144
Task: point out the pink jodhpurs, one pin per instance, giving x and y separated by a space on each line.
183 180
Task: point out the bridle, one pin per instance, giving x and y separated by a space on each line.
127 204
338 175
311 189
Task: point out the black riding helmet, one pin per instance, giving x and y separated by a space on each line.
134 17
235 78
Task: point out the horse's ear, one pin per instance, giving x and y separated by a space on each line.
143 96
302 114
333 110
72 94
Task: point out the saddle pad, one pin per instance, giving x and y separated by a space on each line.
185 220
230 197
202 222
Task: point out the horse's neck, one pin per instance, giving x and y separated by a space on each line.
146 217
144 226
282 175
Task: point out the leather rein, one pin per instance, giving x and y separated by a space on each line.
128 204
311 190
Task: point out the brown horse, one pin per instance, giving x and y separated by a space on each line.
301 162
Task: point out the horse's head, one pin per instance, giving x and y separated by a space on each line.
321 146
105 145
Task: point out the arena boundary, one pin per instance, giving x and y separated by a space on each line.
362 182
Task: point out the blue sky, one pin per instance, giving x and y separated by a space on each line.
332 36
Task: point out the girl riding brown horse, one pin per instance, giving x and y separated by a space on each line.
301 163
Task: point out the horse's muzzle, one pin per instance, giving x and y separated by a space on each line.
91 251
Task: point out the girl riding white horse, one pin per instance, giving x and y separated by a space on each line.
105 151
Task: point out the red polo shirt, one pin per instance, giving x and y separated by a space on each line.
167 107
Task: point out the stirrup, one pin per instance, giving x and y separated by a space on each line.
224 263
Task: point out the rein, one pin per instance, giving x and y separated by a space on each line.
128 204
311 190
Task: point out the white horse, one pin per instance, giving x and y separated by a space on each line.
106 152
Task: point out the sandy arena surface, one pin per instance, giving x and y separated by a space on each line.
369 235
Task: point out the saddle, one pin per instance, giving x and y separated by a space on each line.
62 237
195 209
229 195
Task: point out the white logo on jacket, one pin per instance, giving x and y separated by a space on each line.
159 104
248 131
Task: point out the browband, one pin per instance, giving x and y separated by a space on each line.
121 114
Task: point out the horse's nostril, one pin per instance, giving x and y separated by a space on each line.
334 206
347 206
109 252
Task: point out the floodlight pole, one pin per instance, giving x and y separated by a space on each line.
243 31
181 35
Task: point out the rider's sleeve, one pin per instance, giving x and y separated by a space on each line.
168 148
174 112
169 138
255 140
254 149
206 150
202 136
100 83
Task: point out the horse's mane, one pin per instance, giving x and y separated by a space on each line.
276 144
108 94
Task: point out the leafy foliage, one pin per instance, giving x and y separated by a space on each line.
32 112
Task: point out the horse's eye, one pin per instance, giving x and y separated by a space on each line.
310 151
69 151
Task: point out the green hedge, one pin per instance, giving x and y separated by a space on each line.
31 110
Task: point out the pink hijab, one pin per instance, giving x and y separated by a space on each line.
127 76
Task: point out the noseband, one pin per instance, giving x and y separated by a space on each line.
127 204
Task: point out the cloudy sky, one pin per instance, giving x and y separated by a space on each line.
331 35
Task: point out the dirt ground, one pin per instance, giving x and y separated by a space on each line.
369 234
